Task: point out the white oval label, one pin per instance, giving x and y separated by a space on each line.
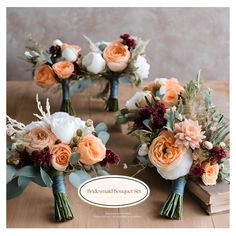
113 191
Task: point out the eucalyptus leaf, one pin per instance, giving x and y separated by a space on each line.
102 172
74 158
46 178
78 177
104 136
14 190
27 171
147 123
101 127
23 181
38 180
11 170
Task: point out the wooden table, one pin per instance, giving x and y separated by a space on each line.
35 207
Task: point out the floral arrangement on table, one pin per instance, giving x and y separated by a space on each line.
45 151
111 62
58 64
180 133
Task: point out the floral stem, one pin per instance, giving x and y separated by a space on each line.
66 105
173 207
63 210
112 102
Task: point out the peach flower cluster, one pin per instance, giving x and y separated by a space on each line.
188 133
117 56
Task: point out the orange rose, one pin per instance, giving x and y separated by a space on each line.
44 76
116 56
173 90
163 153
211 174
63 69
60 156
39 138
91 150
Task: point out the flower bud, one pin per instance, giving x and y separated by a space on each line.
57 42
208 145
89 123
222 144
143 150
79 132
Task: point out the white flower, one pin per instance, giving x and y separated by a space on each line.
94 62
222 144
69 54
162 82
143 150
208 145
35 124
57 42
65 126
136 99
181 168
143 67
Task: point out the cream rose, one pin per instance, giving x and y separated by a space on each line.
210 175
139 99
142 67
91 150
116 56
94 62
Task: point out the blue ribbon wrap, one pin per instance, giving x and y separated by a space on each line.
114 87
65 89
59 184
178 186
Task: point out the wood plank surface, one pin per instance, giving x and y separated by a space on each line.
34 208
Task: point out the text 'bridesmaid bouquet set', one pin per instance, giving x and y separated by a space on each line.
107 64
180 133
46 150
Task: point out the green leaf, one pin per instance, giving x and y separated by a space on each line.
38 180
102 172
74 158
148 102
11 170
102 46
101 127
147 123
14 190
46 178
27 171
8 150
104 136
23 181
78 177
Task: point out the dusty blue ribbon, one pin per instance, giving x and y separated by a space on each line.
114 87
65 89
59 184
178 186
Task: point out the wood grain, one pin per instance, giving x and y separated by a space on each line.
34 208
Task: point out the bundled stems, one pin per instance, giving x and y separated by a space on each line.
112 102
66 105
173 207
63 210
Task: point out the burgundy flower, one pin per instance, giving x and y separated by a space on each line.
24 159
127 40
217 153
110 158
197 170
41 158
159 122
55 50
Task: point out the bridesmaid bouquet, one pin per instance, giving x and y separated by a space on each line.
46 150
181 134
58 64
111 62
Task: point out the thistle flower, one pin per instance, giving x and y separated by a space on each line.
217 153
188 133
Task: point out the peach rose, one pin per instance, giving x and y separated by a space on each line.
211 173
44 76
60 156
172 92
116 56
39 138
63 69
91 150
163 153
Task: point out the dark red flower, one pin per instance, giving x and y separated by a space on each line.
197 170
217 153
110 158
55 50
128 40
41 158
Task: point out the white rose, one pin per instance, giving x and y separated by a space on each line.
142 67
94 62
162 82
143 150
136 99
57 42
65 126
35 124
181 168
69 54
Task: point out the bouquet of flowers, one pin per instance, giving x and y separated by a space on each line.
180 133
59 64
45 151
111 62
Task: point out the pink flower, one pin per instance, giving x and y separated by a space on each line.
188 133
